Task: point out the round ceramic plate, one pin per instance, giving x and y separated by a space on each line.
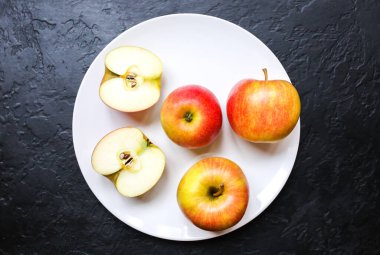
195 49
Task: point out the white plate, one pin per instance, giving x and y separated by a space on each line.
195 49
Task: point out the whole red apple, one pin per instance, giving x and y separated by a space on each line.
213 194
191 116
263 110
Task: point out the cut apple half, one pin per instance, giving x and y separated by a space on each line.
132 79
129 160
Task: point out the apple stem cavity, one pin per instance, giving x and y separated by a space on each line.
265 74
188 116
216 192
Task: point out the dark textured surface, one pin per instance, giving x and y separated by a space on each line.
330 205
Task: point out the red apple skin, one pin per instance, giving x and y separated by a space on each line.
263 110
206 116
203 209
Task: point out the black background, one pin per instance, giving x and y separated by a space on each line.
330 204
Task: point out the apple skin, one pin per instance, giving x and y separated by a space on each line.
205 121
194 194
263 110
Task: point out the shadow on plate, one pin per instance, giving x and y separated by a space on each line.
215 146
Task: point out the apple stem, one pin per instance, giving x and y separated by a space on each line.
188 116
219 191
265 74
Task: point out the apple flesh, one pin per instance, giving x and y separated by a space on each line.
129 160
213 194
132 79
263 110
191 116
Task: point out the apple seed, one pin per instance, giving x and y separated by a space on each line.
128 161
126 158
133 84
124 155
130 79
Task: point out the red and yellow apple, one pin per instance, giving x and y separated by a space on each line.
213 194
191 116
263 110
130 160
132 79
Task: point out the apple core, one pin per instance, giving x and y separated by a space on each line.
126 158
130 79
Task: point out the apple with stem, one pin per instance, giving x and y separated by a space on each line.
263 110
130 160
191 116
213 194
132 79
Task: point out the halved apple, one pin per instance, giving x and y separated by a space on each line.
132 79
129 160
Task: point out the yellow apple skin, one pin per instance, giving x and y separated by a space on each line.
263 110
201 181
